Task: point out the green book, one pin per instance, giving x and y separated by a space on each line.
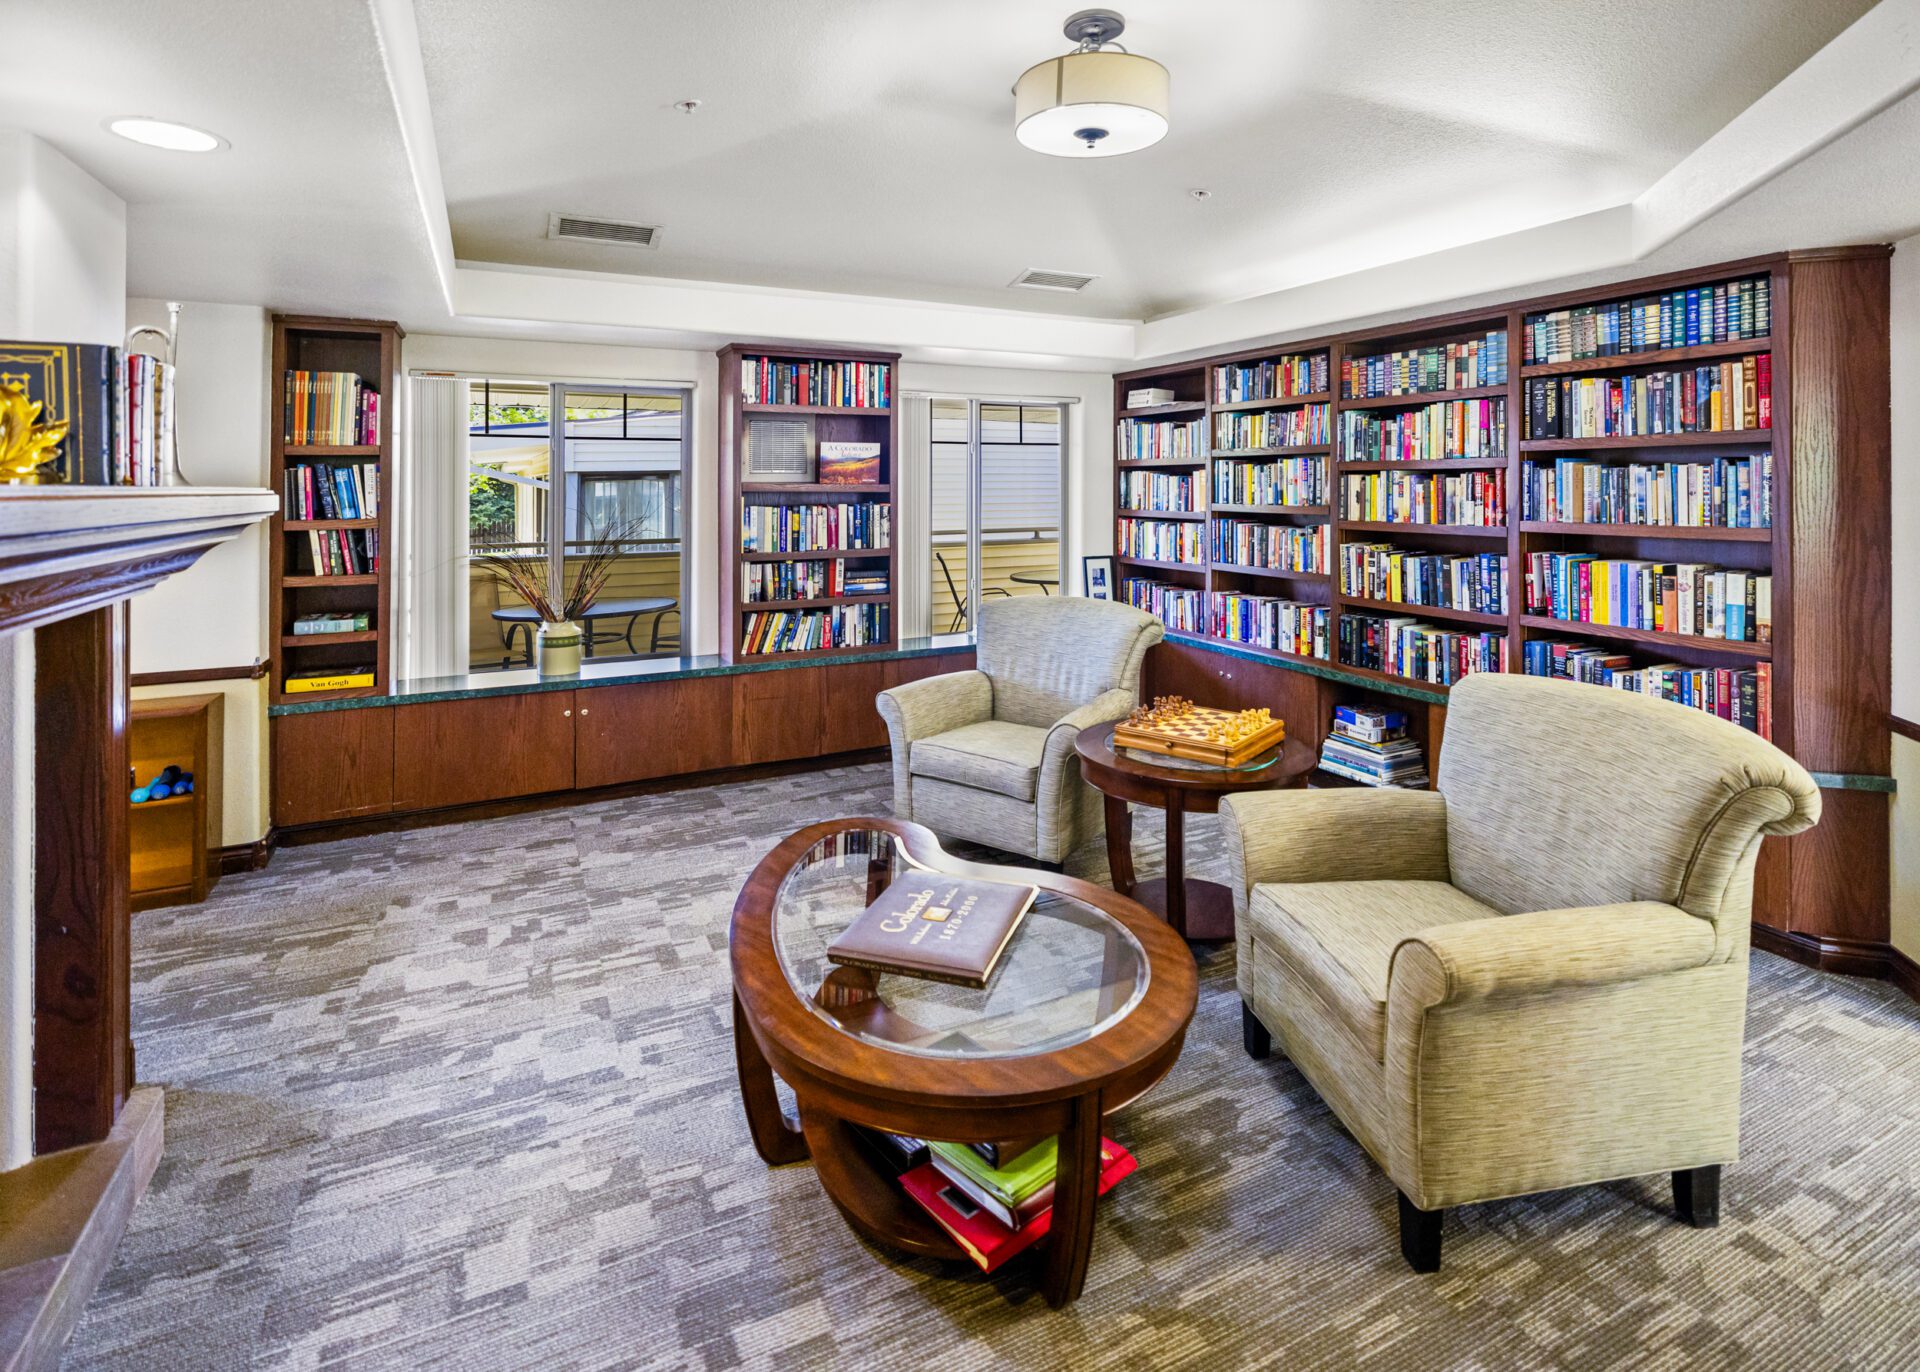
1013 1183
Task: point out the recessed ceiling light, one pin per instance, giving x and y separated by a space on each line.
161 133
1200 193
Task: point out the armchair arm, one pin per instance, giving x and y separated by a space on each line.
1387 834
921 709
1545 950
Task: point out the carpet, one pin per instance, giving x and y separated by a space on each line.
463 1098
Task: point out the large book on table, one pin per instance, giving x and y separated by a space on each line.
940 927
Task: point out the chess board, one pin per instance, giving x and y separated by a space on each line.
1186 737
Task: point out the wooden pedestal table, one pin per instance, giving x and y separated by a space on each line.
1196 909
1086 1011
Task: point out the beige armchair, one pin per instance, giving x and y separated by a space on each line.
1536 976
987 755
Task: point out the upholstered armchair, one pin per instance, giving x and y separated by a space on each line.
987 755
1534 977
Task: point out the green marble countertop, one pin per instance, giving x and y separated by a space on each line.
524 681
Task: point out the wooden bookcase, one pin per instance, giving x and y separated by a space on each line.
1823 895
829 423
370 348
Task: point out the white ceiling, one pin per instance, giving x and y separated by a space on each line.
864 147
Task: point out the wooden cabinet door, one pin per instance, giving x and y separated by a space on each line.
652 729
455 752
851 720
778 714
333 764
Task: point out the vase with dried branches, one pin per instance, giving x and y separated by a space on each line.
560 607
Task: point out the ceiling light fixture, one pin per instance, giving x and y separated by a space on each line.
1091 102
162 133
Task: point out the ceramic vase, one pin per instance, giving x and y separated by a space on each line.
559 647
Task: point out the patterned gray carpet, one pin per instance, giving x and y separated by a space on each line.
464 1098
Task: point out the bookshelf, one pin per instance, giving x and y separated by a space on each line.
297 586
1824 541
792 401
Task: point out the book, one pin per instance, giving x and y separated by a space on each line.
347 679
849 464
1011 1184
1000 1153
897 1153
1014 1217
982 1236
78 384
944 928
332 623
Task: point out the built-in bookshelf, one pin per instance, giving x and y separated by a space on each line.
1604 485
809 520
330 394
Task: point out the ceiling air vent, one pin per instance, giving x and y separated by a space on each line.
584 230
1033 278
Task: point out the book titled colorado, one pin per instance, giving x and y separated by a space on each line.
943 928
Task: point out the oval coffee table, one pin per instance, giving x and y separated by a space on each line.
1196 909
1086 1011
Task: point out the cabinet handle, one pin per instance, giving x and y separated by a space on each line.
569 714
583 712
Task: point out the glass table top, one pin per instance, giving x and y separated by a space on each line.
1070 971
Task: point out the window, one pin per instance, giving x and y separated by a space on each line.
618 458
995 516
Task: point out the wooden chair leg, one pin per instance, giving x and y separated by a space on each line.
1254 1036
1696 1196
1420 1236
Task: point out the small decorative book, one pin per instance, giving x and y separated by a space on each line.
849 464
940 927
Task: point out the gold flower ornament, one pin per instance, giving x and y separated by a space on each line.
26 445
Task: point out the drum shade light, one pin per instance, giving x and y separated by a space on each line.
1091 102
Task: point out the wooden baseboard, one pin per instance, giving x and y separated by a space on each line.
331 830
1848 957
61 1217
245 857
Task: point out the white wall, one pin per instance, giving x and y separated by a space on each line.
63 278
1905 345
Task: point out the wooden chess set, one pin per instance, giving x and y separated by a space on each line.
1176 727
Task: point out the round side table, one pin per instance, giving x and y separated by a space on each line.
1196 909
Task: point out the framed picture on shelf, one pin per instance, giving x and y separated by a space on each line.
1097 576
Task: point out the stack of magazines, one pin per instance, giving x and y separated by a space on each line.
1372 748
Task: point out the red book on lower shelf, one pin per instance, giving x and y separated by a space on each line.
986 1240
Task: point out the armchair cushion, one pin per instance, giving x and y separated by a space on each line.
990 756
1339 938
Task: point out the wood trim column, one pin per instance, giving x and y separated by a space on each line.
83 1046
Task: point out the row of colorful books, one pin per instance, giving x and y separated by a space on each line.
1372 748
1305 426
1289 626
1725 493
796 631
1278 481
1660 597
330 409
1720 397
1278 547
1177 607
1474 499
1724 313
1739 695
1381 571
117 406
1403 645
993 1202
866 525
809 580
1174 492
1162 440
344 552
1440 367
1278 378
330 490
851 385
1162 540
1443 430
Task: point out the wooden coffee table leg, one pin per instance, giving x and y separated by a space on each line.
1176 866
774 1138
1075 1193
1119 843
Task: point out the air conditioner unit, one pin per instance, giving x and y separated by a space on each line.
778 448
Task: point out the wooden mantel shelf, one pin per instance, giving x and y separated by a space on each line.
66 549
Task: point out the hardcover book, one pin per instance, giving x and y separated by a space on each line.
988 1241
77 383
940 927
849 464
